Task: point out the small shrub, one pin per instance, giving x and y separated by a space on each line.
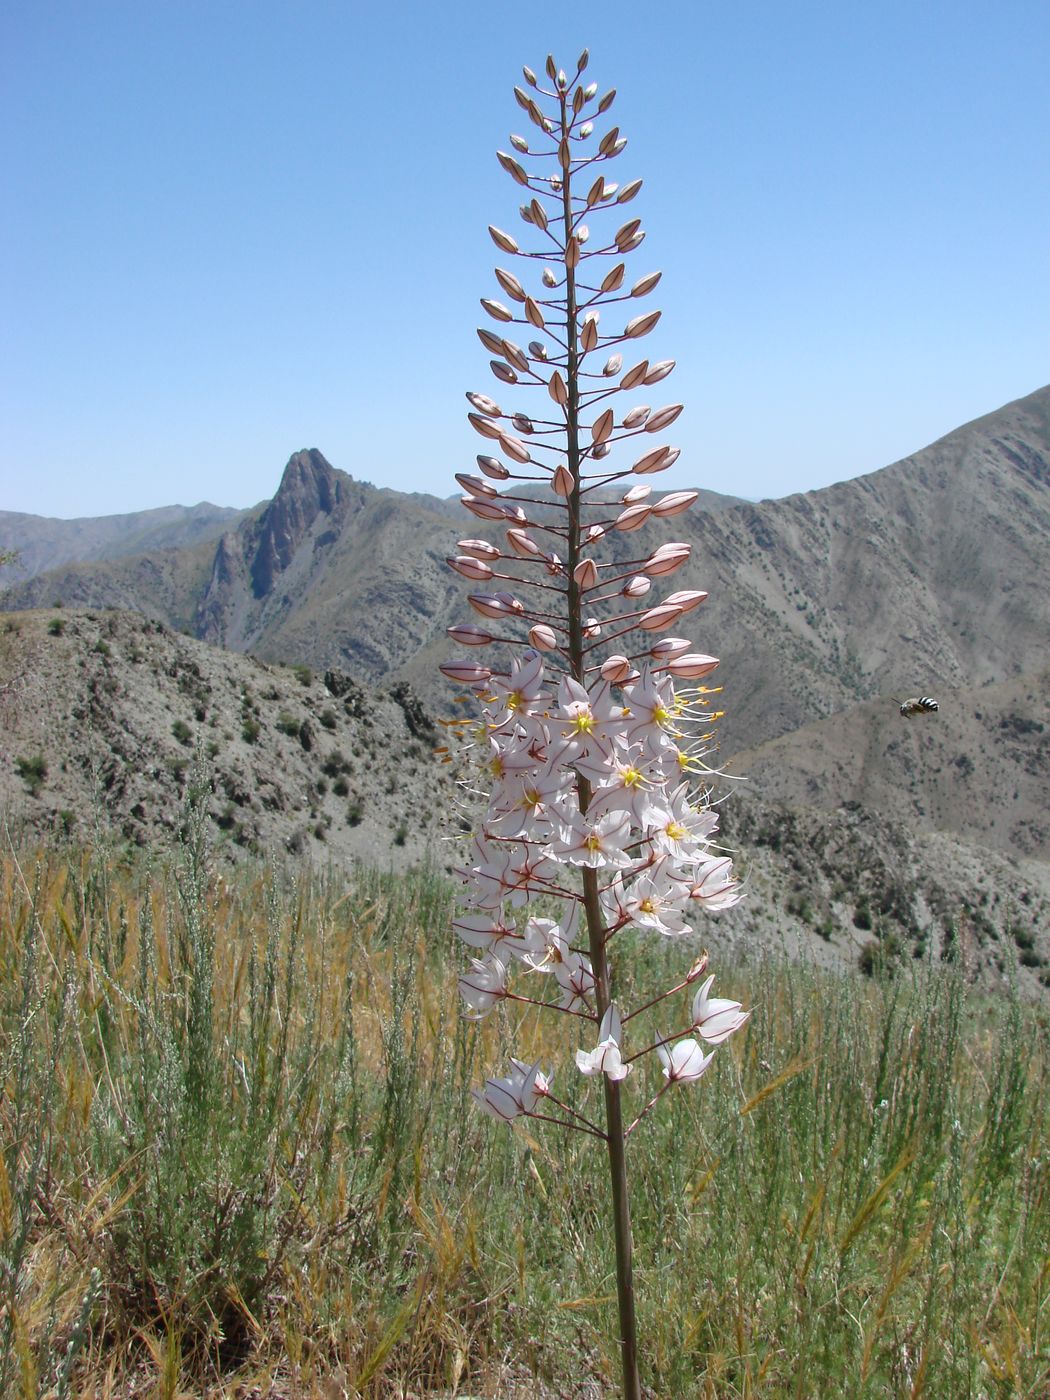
355 811
101 648
56 626
328 718
303 675
288 724
250 729
401 835
182 732
32 771
340 787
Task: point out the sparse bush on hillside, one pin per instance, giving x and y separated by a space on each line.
56 627
32 771
182 732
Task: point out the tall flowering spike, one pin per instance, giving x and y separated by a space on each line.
583 741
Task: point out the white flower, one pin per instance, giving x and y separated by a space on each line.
606 1058
515 1095
716 1018
685 1062
483 985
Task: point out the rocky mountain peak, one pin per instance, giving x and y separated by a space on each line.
310 486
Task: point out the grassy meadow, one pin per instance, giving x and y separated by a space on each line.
238 1157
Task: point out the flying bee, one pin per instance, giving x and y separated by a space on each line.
918 705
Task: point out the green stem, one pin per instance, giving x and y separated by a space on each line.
614 1135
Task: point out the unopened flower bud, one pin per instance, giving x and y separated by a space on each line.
633 518
510 284
502 240
490 340
659 371
663 418
591 628
479 549
523 544
475 485
674 503
484 426
645 285
637 587
511 166
687 598
609 140
612 365
470 568
489 407
562 482
497 310
615 669
515 355
628 192
522 423
607 100
514 449
468 635
503 372
602 426
655 461
586 130
666 559
549 277
542 637
589 332
656 619
613 279
636 494
520 144
493 467
692 666
557 390
465 672
641 325
669 647
483 508
537 349
593 534
534 314
636 417
586 574
530 76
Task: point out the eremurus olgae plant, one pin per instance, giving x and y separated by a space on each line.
587 748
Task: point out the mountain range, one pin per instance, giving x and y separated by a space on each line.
931 576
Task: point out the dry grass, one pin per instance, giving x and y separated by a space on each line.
239 1159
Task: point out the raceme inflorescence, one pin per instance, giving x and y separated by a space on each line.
593 719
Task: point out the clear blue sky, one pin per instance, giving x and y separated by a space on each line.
235 228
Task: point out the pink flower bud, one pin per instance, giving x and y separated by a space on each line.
497 310
636 417
656 619
614 280
470 568
687 599
484 426
465 672
592 627
475 485
663 418
542 637
537 350
674 503
511 166
510 284
635 375
523 423
503 372
515 355
493 467
667 648
609 140
586 574
501 239
469 636
691 666
635 494
637 587
656 461
533 313
557 390
633 518
667 558
561 481
644 285
602 426
514 449
483 508
640 325
593 533
523 544
485 405
490 341
628 192
496 605
479 549
659 371
589 332
615 669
